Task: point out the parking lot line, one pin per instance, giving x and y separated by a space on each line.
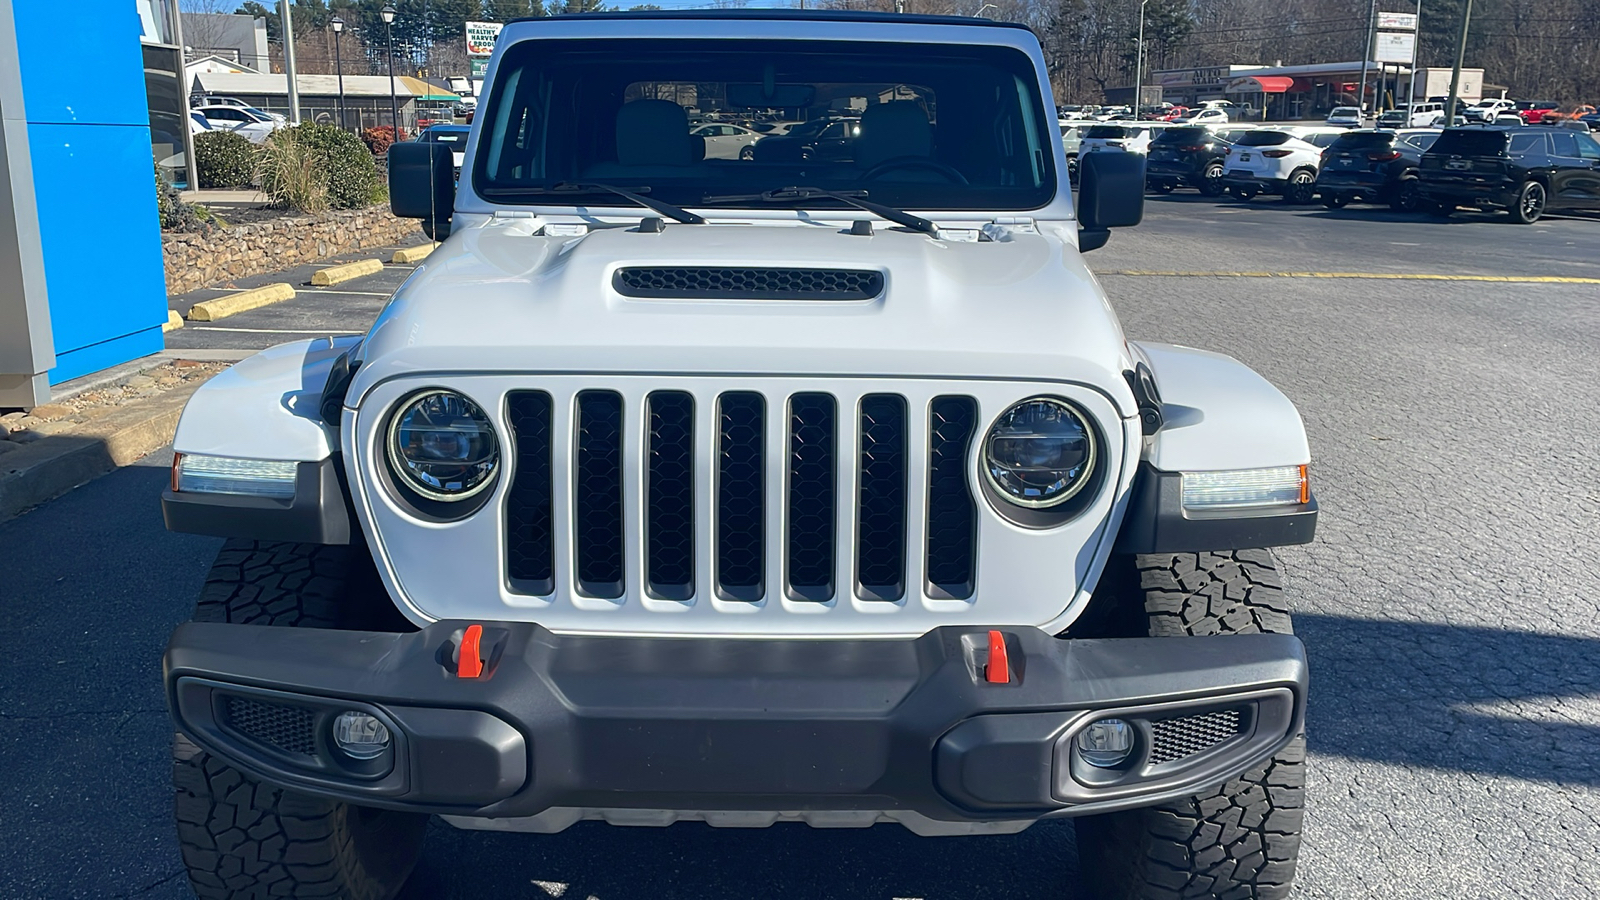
1379 276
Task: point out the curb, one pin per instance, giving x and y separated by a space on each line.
243 301
174 321
413 254
45 469
346 272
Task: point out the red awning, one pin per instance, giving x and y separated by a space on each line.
1260 84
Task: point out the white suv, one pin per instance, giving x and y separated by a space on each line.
672 488
1280 160
1133 137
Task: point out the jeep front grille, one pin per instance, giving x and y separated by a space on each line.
867 527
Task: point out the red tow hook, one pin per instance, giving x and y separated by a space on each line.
469 664
999 669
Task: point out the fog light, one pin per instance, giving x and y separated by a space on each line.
1106 744
360 736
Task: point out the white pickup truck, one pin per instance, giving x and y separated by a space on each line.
798 488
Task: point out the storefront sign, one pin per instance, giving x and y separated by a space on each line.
481 37
1394 47
1397 22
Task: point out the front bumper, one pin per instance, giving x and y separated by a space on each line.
562 721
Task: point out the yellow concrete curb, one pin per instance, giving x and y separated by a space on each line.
340 274
1377 276
244 301
174 321
413 254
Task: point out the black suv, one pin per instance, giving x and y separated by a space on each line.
1374 167
1190 156
1525 171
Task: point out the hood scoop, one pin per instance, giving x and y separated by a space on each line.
746 283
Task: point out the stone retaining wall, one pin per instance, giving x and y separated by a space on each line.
197 260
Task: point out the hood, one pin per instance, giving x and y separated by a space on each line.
498 297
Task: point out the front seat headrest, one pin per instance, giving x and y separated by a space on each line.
890 130
653 133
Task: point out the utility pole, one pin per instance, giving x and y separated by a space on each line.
288 62
1455 73
1138 65
1366 54
1416 43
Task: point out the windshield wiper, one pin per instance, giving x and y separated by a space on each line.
590 187
853 198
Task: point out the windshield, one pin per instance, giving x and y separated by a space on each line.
931 126
1345 111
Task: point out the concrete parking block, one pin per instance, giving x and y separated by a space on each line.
174 321
233 304
412 254
346 272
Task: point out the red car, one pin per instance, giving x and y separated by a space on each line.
1534 111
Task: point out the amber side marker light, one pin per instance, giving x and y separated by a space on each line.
1247 488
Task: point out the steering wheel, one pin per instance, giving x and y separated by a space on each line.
914 162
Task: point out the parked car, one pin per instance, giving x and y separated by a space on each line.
1072 141
453 135
1526 172
1277 161
1373 167
1487 109
1592 120
1349 116
1133 137
1211 115
1534 111
252 124
829 138
724 141
674 506
198 124
1191 155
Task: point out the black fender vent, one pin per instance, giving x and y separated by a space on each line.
881 498
598 494
726 282
741 505
291 729
812 486
669 512
1174 739
952 518
530 556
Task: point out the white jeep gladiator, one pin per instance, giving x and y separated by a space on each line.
818 486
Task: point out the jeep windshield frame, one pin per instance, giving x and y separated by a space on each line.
958 127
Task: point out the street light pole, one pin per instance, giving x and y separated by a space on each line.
1366 54
338 65
394 101
979 13
1455 73
288 63
1138 65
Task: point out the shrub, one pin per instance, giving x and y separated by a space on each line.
380 137
288 171
224 159
175 214
317 167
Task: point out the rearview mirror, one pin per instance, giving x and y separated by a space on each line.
422 184
1110 195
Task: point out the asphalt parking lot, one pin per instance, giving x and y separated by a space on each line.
1450 605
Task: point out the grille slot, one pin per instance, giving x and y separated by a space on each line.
669 511
597 497
685 282
952 517
741 505
812 489
1174 739
291 729
881 499
530 555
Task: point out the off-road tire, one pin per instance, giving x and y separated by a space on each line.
1239 840
244 840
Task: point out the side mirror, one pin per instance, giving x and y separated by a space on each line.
422 184
1110 195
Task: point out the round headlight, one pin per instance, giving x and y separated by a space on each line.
442 446
1040 453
